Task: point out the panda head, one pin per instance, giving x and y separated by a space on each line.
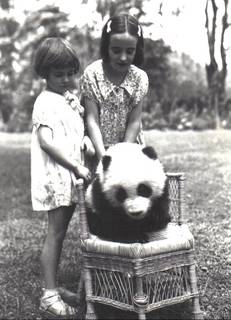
132 179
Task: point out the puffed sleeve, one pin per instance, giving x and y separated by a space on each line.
142 85
42 114
88 85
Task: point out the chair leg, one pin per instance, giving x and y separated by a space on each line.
140 299
90 312
196 311
81 298
141 316
80 289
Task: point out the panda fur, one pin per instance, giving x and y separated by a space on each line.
127 200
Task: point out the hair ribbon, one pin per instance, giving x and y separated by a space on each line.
139 30
108 26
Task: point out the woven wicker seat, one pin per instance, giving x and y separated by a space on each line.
142 277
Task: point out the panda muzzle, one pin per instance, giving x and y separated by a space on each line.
137 208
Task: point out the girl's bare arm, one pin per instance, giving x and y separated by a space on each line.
133 125
93 128
47 144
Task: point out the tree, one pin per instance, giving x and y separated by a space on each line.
8 26
156 65
110 7
21 43
216 77
18 40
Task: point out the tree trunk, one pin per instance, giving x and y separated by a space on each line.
216 78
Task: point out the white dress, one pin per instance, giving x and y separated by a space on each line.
51 183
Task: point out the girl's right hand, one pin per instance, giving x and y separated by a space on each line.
87 146
83 172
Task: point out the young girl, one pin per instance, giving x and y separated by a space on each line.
113 88
56 140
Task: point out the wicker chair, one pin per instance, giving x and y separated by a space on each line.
141 277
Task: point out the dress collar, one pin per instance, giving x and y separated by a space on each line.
107 86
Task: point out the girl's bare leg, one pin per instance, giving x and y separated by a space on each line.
58 221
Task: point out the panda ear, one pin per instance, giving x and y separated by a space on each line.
150 152
106 162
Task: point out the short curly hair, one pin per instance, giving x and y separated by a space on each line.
119 24
54 52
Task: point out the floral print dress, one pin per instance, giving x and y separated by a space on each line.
114 102
51 184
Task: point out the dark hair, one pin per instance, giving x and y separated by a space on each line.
54 52
119 24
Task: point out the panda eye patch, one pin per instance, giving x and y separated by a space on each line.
144 190
121 194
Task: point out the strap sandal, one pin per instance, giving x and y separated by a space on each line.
54 307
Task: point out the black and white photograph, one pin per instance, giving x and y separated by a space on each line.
115 159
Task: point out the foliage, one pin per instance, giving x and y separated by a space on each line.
157 66
5 4
18 82
20 85
177 98
205 159
111 7
186 114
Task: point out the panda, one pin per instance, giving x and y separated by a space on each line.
128 200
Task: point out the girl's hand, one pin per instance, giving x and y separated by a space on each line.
83 172
87 146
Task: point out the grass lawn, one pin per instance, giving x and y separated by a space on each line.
205 157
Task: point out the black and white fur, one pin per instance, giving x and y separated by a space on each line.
128 200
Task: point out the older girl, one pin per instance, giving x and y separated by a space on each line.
114 87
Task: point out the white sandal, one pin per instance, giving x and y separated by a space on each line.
53 306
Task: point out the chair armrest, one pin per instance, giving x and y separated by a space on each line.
176 193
